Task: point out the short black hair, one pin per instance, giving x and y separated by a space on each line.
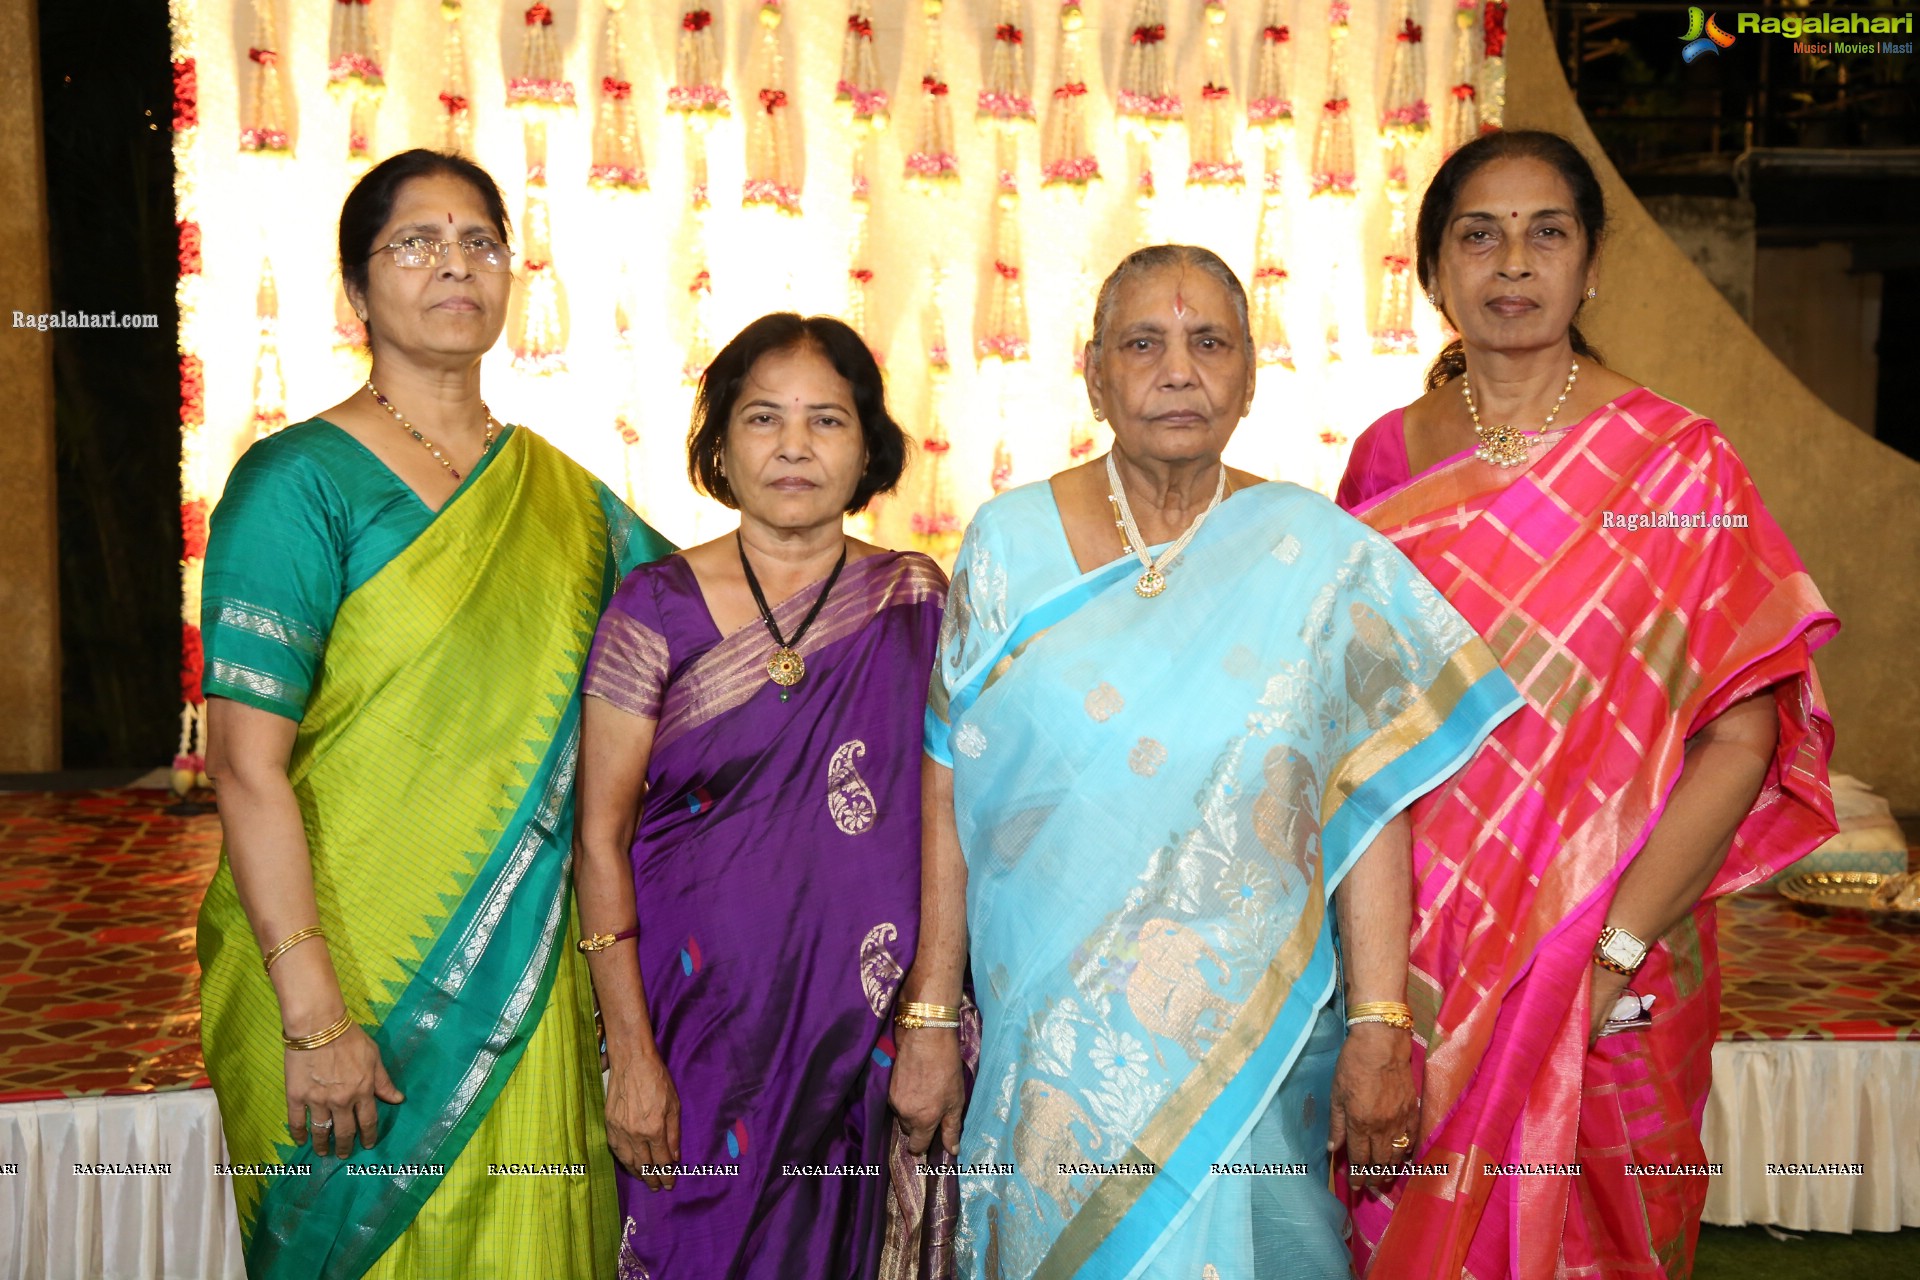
1443 196
369 206
780 331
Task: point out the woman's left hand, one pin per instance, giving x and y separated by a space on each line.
1374 1101
1604 991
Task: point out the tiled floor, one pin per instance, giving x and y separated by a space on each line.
98 893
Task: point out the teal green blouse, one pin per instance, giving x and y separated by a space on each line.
309 514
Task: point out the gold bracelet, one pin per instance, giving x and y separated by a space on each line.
1366 1007
914 1022
291 941
319 1038
937 1012
1390 1019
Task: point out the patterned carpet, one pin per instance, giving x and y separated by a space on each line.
99 889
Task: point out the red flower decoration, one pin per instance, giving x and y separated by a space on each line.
936 444
537 264
193 664
619 90
1277 35
1007 33
453 102
1075 89
1336 106
1463 91
1396 263
1409 32
696 20
1332 437
1150 35
539 16
1213 92
773 99
1495 16
265 57
702 282
861 274
189 248
938 88
1006 271
860 27
193 390
193 529
186 95
1270 273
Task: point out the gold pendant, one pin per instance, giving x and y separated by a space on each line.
786 668
1151 584
1502 446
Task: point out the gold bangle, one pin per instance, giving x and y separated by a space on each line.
1393 1008
1390 1019
319 1038
601 941
291 941
914 1022
936 1012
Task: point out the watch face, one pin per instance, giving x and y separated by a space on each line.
1622 950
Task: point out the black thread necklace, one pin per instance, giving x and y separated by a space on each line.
786 667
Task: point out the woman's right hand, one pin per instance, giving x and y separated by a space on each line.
928 1091
336 1085
643 1118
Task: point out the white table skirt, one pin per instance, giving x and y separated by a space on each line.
1818 1102
1786 1101
58 1225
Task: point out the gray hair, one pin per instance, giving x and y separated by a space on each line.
1152 258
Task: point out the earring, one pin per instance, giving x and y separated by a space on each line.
362 315
1432 301
1593 293
1099 415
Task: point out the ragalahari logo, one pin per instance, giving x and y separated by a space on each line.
1703 35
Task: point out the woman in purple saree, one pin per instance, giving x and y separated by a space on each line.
770 755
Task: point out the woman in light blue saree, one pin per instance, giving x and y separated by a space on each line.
1176 721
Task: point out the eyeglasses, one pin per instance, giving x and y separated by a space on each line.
483 253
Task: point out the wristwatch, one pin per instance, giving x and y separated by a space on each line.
1619 951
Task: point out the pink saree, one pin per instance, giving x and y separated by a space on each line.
1624 641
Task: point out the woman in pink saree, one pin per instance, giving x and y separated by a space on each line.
1673 747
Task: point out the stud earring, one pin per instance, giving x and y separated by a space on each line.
1099 415
1593 293
1432 301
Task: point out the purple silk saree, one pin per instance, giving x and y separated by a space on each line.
777 874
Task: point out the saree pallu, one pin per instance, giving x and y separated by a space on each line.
433 769
777 876
1156 799
1624 641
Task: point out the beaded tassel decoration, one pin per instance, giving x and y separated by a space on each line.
936 525
617 164
1066 159
1393 322
771 179
1004 335
1080 439
626 418
349 332
1001 477
696 92
1270 109
859 259
1147 103
931 164
456 104
858 88
542 83
1333 173
539 336
1463 113
264 128
353 71
1493 67
1270 345
1403 118
269 384
1005 100
1213 163
699 330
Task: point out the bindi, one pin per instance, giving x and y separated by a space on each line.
1514 214
1179 306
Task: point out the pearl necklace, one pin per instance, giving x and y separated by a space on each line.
1154 580
432 448
1507 446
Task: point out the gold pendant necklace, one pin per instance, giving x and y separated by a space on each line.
1508 446
786 667
485 444
1154 580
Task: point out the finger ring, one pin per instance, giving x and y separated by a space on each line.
323 1124
1401 1143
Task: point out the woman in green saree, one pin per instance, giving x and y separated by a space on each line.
399 596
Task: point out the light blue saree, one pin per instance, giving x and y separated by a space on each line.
1156 799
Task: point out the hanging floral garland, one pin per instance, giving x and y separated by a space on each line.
1403 122
1004 335
859 85
269 383
189 761
932 164
696 92
539 93
936 525
771 179
1270 109
1493 68
1005 102
1213 163
1463 112
542 82
1066 159
1147 102
456 103
700 330
354 73
617 164
1333 168
1270 344
264 127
